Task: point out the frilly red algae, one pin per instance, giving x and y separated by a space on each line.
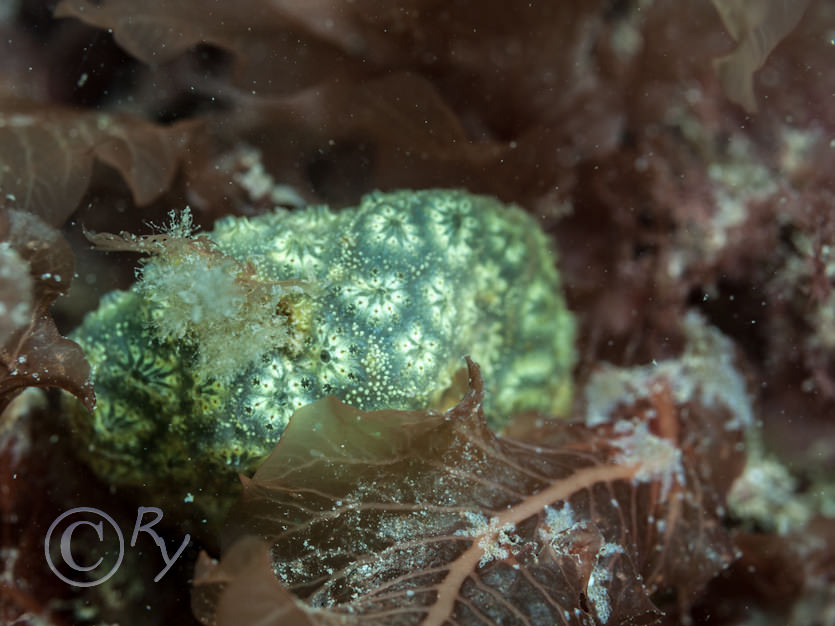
38 141
757 26
405 517
33 353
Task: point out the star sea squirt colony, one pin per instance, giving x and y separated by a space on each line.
224 337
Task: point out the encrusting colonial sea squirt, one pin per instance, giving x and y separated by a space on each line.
224 336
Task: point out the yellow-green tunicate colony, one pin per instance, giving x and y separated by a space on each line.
376 304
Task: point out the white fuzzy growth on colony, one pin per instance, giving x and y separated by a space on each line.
202 297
